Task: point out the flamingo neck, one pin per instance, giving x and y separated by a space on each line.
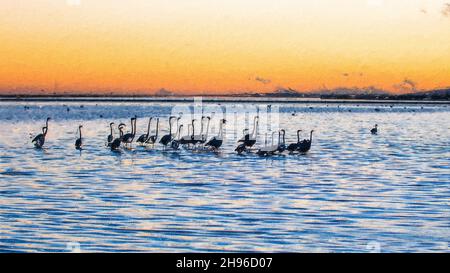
46 127
179 132
157 127
201 127
207 129
221 129
254 126
177 126
148 128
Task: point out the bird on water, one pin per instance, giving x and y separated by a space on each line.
115 144
110 138
215 142
305 145
79 141
39 140
374 130
294 146
143 138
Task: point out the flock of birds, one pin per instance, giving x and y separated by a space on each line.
174 139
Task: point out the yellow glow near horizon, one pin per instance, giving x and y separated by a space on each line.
212 46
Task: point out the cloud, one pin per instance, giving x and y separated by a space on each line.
262 80
164 92
360 74
406 85
446 10
410 83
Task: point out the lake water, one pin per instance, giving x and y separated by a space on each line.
353 192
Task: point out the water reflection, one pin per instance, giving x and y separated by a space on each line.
353 188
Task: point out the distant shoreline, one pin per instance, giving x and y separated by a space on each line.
211 99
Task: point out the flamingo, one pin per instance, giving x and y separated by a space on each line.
115 144
111 135
152 139
374 130
39 140
176 141
217 141
189 138
250 139
143 138
281 141
199 138
294 146
165 140
241 147
269 149
128 138
79 141
305 145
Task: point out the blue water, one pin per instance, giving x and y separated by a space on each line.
353 192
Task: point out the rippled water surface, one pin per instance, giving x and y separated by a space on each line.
352 192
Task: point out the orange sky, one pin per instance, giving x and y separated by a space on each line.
212 46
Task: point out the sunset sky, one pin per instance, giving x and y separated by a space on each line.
220 47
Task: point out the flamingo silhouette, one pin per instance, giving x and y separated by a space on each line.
217 141
143 138
294 146
305 145
374 130
79 141
39 140
110 137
